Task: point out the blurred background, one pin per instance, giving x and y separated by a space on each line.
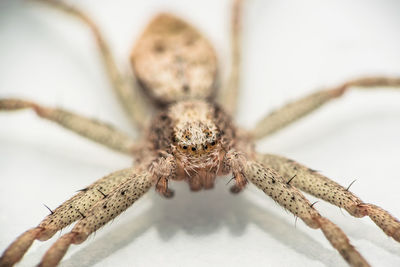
290 49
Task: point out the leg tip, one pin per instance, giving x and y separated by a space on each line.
235 189
169 193
396 235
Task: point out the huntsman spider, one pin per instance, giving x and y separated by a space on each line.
189 135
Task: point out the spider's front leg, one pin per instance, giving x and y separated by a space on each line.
322 187
234 162
67 213
101 213
163 169
286 195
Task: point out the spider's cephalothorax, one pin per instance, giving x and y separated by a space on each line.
191 138
198 134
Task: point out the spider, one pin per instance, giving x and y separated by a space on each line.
191 172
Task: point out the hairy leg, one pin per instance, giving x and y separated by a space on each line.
229 94
285 115
125 89
102 212
71 210
314 183
89 128
163 169
234 162
286 195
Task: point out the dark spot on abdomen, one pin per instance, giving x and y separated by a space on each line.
186 88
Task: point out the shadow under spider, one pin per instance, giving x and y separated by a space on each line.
202 213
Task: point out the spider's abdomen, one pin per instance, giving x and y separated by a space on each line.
173 61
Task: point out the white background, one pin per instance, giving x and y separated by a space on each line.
291 48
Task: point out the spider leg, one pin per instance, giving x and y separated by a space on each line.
229 94
322 187
71 210
164 168
234 162
274 185
102 212
126 90
89 128
291 112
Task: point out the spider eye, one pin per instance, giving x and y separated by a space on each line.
193 149
213 143
184 147
159 47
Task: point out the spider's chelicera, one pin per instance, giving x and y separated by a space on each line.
190 137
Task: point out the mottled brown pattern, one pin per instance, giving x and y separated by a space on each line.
198 134
173 61
192 138
70 211
298 109
224 123
92 129
316 184
289 197
161 132
78 206
102 212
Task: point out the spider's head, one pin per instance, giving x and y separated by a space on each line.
196 138
200 132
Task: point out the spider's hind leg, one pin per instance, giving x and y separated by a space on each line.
322 187
228 96
92 129
126 89
298 109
